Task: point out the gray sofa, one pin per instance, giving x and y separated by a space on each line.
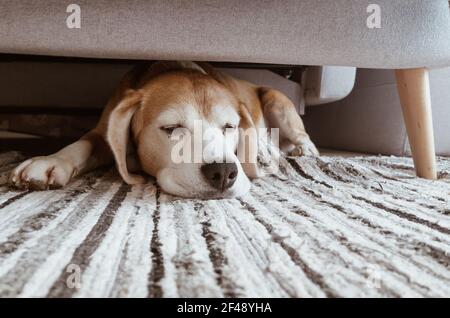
413 35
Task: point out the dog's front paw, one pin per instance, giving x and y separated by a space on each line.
305 149
42 173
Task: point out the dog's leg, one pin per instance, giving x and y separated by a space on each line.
280 113
56 170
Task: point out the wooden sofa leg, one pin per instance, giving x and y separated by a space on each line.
414 91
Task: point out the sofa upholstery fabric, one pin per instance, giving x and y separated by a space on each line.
413 33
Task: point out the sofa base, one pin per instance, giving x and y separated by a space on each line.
414 91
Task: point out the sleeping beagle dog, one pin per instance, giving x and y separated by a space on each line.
157 102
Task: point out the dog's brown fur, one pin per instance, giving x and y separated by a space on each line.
143 94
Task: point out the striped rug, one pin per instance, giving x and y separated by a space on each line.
325 227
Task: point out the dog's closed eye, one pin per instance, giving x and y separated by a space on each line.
228 126
168 129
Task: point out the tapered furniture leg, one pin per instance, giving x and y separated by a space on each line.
414 91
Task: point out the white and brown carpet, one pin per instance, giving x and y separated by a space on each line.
325 227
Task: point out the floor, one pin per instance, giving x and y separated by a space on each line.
334 226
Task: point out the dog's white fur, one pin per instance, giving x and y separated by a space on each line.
133 131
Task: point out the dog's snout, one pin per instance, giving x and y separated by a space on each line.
220 175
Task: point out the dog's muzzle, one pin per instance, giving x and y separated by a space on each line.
220 176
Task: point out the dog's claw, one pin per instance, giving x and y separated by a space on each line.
42 173
305 149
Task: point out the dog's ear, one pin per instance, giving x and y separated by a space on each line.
118 130
248 144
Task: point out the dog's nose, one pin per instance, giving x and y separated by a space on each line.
220 175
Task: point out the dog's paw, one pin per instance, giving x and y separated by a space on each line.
305 149
42 173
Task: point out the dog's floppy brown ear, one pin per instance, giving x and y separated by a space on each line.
248 144
118 130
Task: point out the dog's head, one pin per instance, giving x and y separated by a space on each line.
186 129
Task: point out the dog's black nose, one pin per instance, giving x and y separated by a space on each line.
220 175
